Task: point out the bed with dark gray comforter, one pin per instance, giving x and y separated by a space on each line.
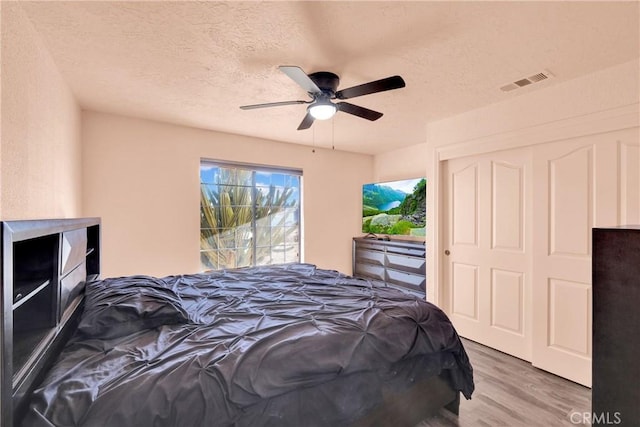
287 345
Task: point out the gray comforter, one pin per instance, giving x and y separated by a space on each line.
278 345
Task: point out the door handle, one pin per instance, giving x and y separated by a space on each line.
446 252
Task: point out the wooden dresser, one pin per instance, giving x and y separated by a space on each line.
399 263
616 326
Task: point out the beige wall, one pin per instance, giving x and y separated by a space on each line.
404 163
40 152
142 179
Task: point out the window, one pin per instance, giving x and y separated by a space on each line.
249 215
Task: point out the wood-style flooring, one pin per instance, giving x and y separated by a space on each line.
511 392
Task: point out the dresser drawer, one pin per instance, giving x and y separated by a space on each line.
414 250
372 245
370 257
407 264
406 279
370 270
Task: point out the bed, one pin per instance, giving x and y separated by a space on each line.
283 345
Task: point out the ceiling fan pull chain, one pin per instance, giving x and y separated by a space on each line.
333 133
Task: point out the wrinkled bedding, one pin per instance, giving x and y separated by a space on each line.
280 345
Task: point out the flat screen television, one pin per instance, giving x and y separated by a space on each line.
395 207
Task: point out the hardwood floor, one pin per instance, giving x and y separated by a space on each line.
510 392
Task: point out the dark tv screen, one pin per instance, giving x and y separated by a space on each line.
395 207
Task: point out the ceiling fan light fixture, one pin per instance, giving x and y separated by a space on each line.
322 110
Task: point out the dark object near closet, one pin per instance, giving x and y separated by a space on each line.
616 326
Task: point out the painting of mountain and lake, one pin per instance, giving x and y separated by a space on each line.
395 207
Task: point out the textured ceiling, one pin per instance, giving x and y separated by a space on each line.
195 63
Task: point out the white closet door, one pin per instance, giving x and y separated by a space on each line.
579 184
487 269
517 229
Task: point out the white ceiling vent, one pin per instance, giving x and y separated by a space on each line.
527 81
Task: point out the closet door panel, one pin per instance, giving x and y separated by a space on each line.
486 270
579 184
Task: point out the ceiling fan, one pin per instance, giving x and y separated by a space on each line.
322 88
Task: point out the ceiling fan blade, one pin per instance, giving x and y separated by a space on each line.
356 110
395 82
272 104
306 122
297 75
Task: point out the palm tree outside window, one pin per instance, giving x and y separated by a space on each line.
249 215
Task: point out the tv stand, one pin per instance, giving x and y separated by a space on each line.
396 262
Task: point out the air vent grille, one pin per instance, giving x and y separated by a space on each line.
538 77
527 81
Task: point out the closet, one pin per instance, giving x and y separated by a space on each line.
517 244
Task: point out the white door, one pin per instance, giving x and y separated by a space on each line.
579 184
487 268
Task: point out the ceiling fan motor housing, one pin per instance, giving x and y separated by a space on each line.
326 81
